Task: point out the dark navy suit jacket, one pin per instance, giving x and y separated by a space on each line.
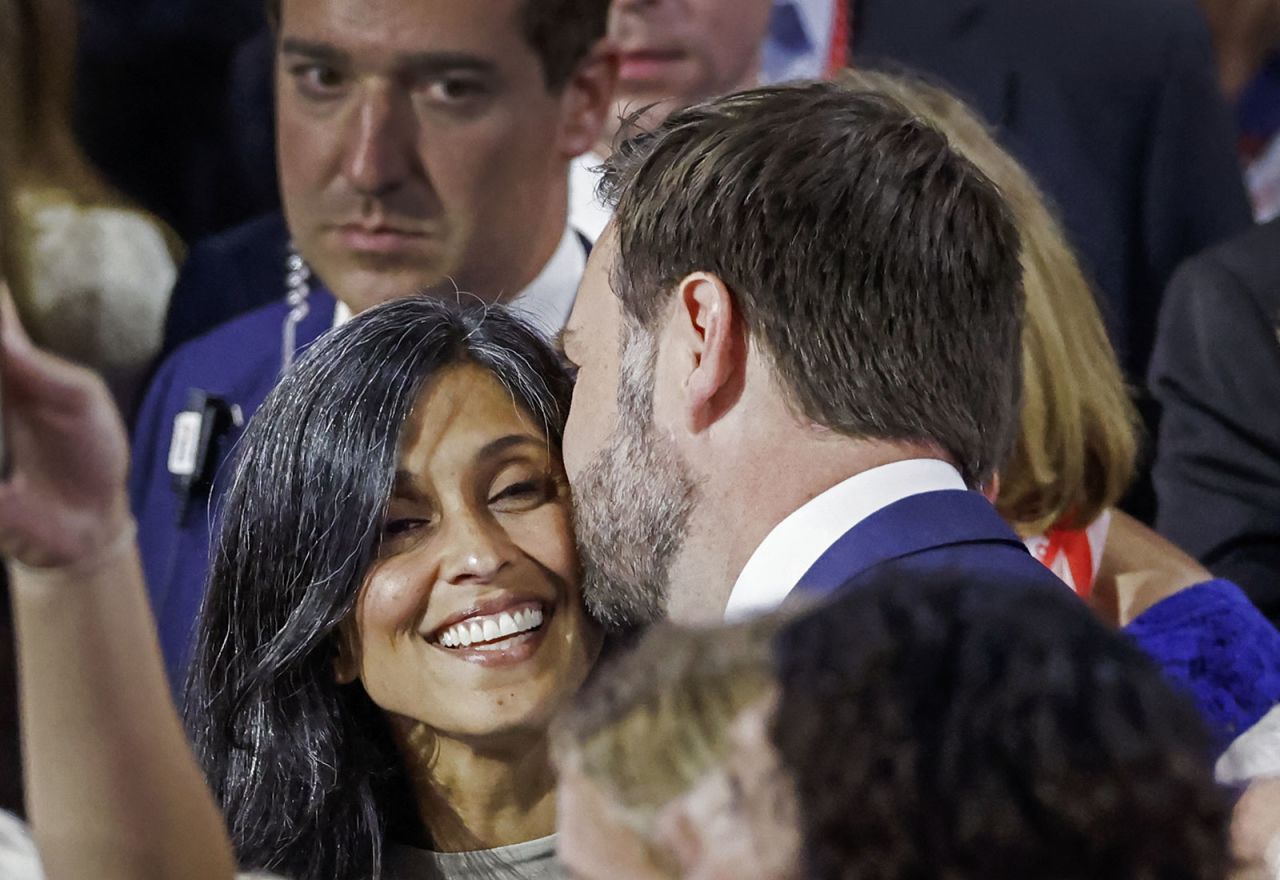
240 362
933 534
227 275
1209 640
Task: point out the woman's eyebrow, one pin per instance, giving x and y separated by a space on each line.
502 444
408 486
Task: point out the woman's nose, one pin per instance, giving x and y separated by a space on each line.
477 550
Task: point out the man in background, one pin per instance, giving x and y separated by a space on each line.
671 53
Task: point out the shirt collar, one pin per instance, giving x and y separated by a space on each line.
587 213
816 17
341 312
796 543
548 299
798 40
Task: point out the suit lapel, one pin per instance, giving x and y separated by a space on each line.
920 522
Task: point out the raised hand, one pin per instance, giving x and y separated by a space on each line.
64 500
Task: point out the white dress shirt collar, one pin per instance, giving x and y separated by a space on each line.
798 41
586 212
548 299
796 543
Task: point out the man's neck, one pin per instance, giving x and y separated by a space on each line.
754 495
472 797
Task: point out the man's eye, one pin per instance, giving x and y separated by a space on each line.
317 79
454 89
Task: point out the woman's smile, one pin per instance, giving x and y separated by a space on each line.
470 620
502 632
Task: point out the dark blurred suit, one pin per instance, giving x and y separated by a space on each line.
1216 374
227 275
1111 104
174 104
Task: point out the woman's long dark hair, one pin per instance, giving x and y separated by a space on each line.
305 769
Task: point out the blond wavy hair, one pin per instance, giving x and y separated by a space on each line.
1078 431
653 724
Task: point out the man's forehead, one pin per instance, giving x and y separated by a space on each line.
404 27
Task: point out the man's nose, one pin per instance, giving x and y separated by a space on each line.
381 150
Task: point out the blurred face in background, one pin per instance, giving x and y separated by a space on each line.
677 52
420 146
1245 33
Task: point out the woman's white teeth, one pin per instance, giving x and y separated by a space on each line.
494 626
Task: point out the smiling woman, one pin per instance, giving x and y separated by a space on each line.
393 616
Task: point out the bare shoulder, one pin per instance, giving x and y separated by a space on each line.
1139 569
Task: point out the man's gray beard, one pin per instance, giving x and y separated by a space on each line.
632 505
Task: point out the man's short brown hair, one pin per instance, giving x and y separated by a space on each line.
561 32
876 266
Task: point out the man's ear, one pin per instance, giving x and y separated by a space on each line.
711 344
346 657
587 99
991 489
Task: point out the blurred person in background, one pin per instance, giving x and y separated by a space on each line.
423 147
665 766
1216 374
173 104
944 727
671 53
1246 38
1131 140
520 90
93 271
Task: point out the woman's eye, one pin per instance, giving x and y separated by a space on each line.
524 495
395 527
517 490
